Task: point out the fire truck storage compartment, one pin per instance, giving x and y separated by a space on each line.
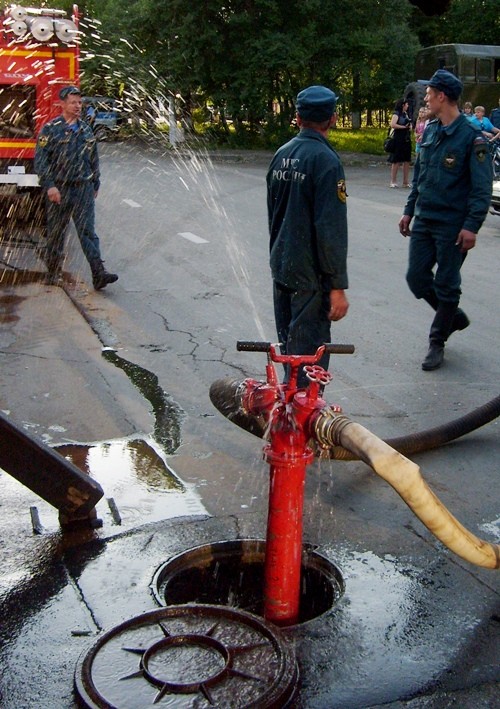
39 54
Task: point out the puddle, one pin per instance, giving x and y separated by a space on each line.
167 414
136 475
8 308
119 460
139 485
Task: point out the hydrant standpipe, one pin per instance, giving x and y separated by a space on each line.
288 412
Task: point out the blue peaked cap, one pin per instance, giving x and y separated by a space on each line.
316 103
67 90
446 82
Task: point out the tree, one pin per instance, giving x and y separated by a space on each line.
470 22
248 56
465 21
247 59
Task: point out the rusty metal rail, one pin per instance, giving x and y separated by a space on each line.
45 472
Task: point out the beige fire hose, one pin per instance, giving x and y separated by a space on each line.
404 476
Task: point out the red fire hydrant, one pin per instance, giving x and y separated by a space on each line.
288 412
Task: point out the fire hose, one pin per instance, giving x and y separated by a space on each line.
404 476
225 395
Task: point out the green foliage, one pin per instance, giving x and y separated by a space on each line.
466 21
246 60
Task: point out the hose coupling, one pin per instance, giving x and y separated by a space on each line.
328 426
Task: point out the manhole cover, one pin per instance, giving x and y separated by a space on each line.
190 656
231 573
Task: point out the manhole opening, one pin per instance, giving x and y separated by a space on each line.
231 573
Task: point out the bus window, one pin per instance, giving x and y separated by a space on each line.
484 70
468 69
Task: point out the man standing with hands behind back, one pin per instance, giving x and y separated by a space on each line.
307 215
67 164
450 198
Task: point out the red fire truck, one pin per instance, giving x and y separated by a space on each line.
39 54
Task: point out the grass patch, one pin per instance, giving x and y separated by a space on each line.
364 140
212 136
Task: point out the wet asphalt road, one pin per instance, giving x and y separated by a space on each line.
416 626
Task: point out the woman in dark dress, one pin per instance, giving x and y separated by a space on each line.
401 129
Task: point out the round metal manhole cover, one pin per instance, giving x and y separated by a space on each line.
189 656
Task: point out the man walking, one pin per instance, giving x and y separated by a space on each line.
306 202
450 197
67 164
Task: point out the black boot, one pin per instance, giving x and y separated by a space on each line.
434 357
431 298
100 277
440 331
460 321
53 263
54 277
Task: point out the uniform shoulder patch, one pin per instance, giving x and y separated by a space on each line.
43 140
342 191
480 147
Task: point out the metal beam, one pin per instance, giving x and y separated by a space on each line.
45 472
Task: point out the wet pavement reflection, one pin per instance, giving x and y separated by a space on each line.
136 475
140 486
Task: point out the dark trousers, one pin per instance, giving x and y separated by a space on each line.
302 323
77 202
433 244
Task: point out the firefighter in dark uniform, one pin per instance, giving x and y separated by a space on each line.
306 202
67 165
450 198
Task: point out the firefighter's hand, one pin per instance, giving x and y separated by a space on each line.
404 225
339 305
54 195
466 240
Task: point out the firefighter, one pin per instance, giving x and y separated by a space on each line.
67 163
307 215
450 198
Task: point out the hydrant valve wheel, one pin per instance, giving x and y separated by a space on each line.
315 373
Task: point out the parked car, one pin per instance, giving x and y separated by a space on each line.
103 114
